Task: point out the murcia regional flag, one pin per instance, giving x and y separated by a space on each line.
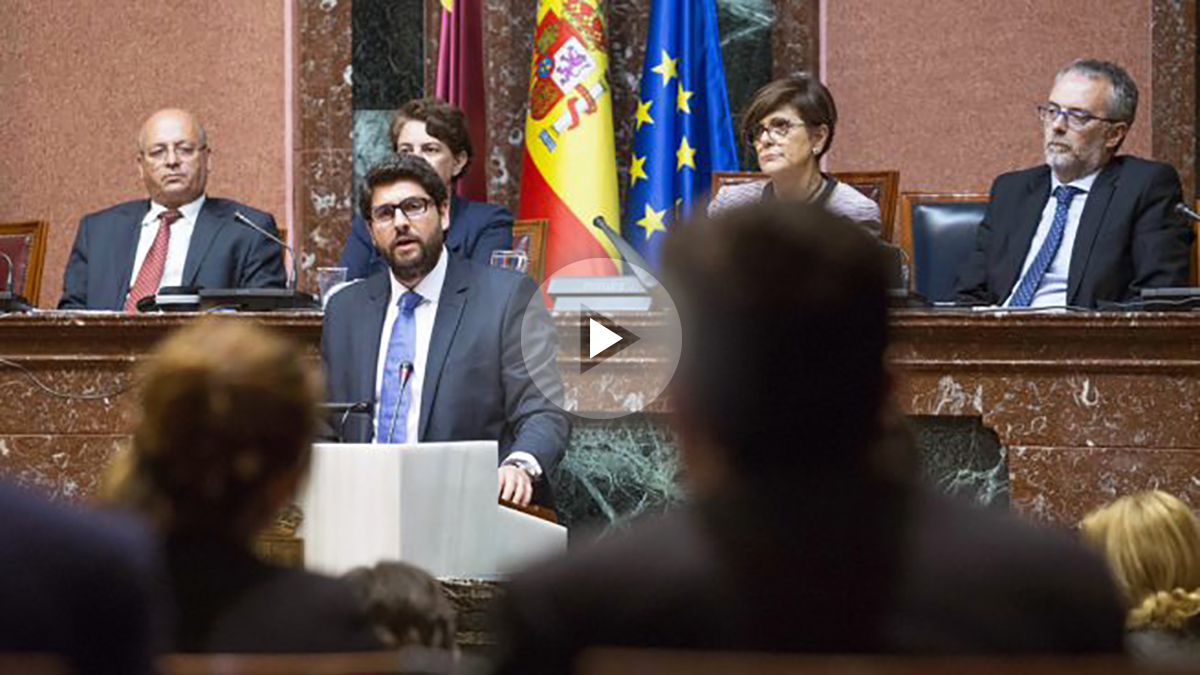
569 174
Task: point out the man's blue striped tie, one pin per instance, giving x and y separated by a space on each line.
1037 271
401 349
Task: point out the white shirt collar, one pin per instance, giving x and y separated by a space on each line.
429 288
1084 183
190 211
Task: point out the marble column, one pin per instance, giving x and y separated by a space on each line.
796 37
322 153
1173 80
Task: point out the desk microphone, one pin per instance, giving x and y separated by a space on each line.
1183 210
237 215
10 301
406 370
628 253
346 409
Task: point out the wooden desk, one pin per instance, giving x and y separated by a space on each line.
60 444
1088 406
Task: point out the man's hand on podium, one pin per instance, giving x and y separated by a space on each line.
515 485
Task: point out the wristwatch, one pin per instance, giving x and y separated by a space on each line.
531 468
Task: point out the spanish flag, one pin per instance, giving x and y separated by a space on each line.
569 174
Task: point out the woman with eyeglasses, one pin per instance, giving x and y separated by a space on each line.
790 124
437 132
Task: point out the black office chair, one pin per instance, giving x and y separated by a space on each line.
938 231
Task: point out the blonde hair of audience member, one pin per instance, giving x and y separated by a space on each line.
1152 543
405 604
228 411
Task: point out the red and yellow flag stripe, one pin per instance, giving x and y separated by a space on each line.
569 172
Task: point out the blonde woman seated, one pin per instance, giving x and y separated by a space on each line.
790 124
228 412
1152 543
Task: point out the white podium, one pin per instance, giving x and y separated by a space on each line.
431 504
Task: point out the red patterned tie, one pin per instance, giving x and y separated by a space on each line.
152 267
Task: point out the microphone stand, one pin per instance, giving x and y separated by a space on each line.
260 299
346 409
10 300
406 369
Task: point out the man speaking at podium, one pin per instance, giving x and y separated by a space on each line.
435 340
177 238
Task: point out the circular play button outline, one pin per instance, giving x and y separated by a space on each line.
614 356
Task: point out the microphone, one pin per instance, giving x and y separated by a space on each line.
628 253
10 301
406 370
357 406
237 215
1183 210
346 409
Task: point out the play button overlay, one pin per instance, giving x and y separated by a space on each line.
600 339
609 345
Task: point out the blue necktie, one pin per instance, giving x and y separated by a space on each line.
1037 271
402 348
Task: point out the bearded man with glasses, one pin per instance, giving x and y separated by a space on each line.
446 348
1088 227
178 237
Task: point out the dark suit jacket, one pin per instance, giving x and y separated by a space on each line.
477 385
476 229
84 586
826 573
223 253
228 601
1129 236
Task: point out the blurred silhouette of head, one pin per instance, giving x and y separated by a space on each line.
784 309
227 417
405 604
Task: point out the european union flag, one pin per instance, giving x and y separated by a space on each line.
683 132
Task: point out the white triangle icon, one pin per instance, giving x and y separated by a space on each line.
600 338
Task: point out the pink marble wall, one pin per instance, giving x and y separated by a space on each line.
944 90
78 78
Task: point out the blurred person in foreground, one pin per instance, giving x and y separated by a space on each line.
437 132
790 124
228 412
405 604
81 586
806 531
1152 543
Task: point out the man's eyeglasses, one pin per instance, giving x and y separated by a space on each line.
777 129
412 207
1077 120
184 152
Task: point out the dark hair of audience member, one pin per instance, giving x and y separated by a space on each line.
443 121
1151 541
802 91
405 604
228 414
784 308
397 168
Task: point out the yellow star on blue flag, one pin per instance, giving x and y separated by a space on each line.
689 135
